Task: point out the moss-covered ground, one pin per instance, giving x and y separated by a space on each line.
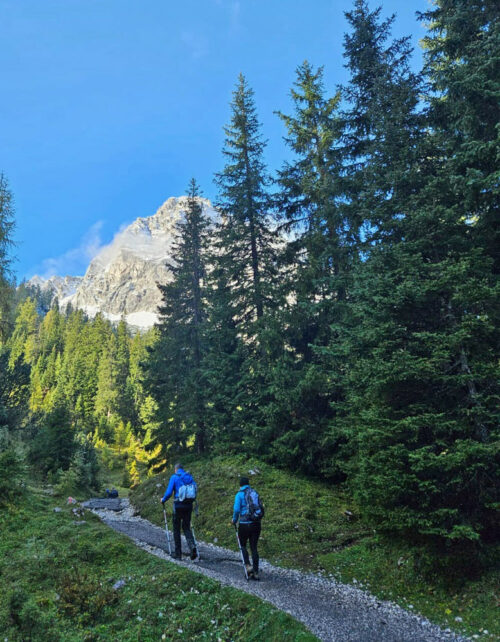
57 580
311 526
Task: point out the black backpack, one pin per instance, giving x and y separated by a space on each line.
255 507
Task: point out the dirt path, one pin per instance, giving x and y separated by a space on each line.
334 612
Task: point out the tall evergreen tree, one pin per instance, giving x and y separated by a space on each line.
126 407
223 363
244 265
462 51
54 444
6 243
23 341
421 343
382 125
174 375
246 240
107 399
315 266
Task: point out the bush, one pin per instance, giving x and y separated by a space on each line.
11 470
84 597
27 616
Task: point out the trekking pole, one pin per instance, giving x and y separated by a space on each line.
241 552
167 532
196 512
195 544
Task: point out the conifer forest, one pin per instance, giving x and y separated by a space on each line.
340 319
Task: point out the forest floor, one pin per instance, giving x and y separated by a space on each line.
331 610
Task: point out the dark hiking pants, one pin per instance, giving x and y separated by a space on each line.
251 533
182 516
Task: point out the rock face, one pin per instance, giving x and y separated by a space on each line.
121 281
61 287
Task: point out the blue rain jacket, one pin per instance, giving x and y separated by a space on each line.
177 480
240 509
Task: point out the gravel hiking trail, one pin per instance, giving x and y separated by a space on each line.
333 611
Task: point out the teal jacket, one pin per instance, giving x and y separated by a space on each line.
240 509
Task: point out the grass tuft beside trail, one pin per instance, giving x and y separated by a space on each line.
308 526
57 580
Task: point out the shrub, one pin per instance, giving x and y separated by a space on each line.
84 597
11 470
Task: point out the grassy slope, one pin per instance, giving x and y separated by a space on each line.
305 527
56 584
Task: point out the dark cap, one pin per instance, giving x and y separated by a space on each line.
244 481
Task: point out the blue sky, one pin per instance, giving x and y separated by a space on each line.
110 106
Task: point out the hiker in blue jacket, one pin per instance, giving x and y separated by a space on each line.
248 530
182 510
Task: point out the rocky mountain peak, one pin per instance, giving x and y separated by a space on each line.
121 280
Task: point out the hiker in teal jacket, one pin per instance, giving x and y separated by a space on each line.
248 530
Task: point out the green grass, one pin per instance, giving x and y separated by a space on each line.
306 527
57 579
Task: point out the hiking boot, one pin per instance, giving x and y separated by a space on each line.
194 553
255 575
249 570
176 556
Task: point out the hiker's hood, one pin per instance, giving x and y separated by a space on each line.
245 486
186 477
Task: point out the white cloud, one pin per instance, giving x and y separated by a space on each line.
234 9
197 45
235 15
74 261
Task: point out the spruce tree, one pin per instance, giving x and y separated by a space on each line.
462 54
382 125
126 407
223 363
6 243
22 343
420 346
109 391
174 375
244 266
315 267
245 237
